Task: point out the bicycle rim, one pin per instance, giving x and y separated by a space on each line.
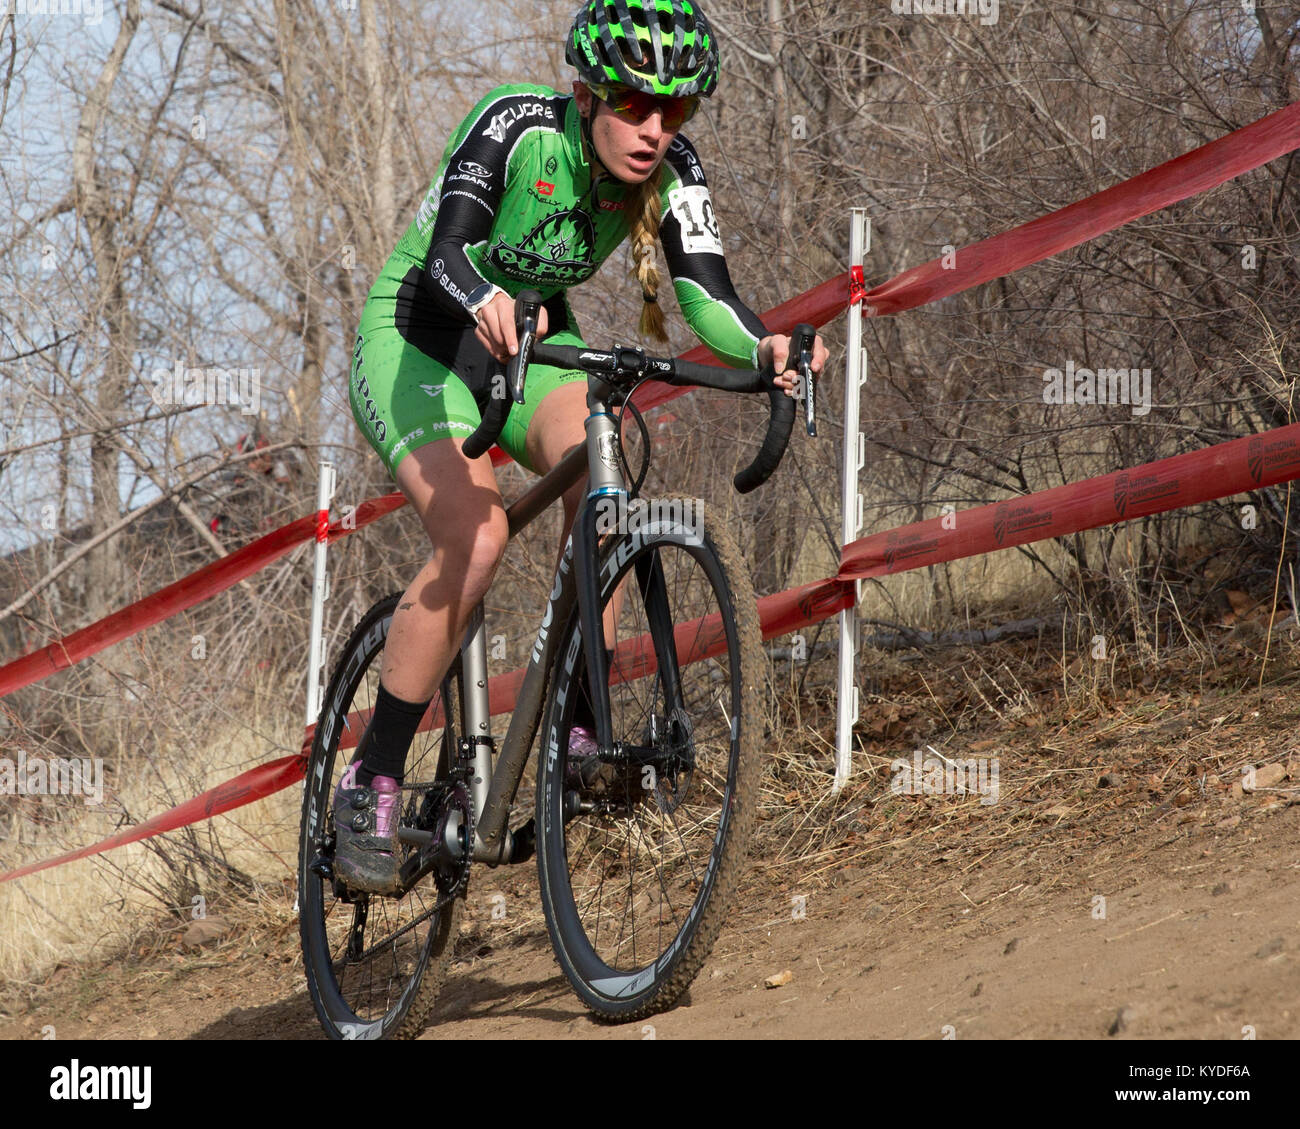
635 887
374 966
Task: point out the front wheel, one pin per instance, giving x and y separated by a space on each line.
638 857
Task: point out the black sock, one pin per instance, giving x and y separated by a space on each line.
583 713
389 736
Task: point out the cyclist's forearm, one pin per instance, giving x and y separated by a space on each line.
449 277
729 328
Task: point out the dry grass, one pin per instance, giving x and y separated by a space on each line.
101 907
1176 731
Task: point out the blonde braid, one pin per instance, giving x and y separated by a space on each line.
644 207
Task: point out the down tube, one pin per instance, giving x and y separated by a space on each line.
527 714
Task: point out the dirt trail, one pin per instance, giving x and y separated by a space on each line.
929 917
1200 940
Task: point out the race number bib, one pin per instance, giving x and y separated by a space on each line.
694 211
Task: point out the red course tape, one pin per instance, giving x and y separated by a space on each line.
1219 471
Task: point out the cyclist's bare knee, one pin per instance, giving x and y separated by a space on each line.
460 507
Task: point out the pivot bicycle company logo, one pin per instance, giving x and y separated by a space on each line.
54 776
559 249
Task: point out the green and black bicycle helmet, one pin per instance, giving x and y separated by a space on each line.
661 47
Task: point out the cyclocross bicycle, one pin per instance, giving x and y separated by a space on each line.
639 846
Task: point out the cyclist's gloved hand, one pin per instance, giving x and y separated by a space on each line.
775 349
496 327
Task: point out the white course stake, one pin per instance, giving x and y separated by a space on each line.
319 594
855 373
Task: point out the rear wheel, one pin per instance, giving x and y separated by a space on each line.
375 964
638 858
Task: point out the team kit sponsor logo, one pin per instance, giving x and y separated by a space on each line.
501 122
361 386
439 271
679 148
429 206
477 181
559 249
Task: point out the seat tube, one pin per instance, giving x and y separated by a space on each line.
475 707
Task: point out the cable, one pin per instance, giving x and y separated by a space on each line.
627 404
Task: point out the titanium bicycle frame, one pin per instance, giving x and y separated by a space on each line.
493 787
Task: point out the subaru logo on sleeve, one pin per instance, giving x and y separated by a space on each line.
437 266
473 168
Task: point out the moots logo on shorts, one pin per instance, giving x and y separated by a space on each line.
52 776
180 386
615 515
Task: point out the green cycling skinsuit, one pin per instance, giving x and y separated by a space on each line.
514 204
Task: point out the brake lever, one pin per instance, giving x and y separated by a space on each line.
802 342
527 305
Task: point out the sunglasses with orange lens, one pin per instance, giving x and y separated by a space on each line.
635 105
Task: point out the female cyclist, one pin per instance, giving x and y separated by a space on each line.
535 189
